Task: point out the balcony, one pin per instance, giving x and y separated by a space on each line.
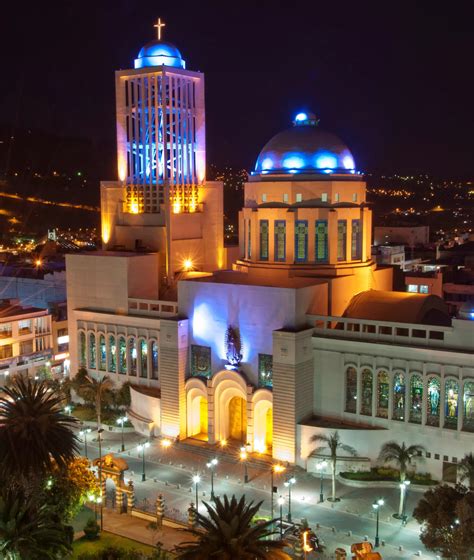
153 308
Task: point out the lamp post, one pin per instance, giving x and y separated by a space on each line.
276 469
289 483
243 458
68 409
212 465
404 490
141 448
281 501
83 433
321 466
197 480
99 432
377 505
121 421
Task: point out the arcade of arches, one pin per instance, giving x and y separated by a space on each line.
227 409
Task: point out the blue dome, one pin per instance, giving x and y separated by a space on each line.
159 53
305 148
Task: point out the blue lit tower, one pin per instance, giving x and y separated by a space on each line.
162 201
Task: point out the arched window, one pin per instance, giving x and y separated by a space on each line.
366 402
154 360
416 399
132 355
122 356
351 389
92 351
112 354
451 395
383 389
468 400
102 353
398 397
433 402
82 349
143 358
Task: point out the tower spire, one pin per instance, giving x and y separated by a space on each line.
159 25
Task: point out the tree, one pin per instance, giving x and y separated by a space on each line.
34 432
466 470
97 389
402 456
68 489
227 533
333 443
446 516
29 530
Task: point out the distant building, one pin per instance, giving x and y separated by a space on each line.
411 235
390 254
31 286
25 339
424 283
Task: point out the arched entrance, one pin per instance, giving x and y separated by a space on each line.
263 421
238 419
197 410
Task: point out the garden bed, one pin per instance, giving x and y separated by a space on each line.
388 475
88 414
83 546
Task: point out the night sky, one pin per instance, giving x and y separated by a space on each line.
396 83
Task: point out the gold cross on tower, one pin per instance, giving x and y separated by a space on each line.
159 25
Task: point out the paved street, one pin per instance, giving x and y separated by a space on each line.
169 472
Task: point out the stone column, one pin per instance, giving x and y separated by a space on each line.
130 497
293 388
211 414
119 499
173 362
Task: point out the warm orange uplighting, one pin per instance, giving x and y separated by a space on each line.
38 262
187 265
176 207
134 208
165 443
243 454
279 468
223 442
306 546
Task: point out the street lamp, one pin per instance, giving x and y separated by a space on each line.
212 465
165 443
288 483
276 469
197 480
321 466
68 409
121 421
281 501
83 433
243 458
404 491
377 505
141 448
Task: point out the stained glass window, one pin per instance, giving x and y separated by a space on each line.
82 349
280 240
122 356
416 399
112 354
102 353
264 240
356 240
433 402
383 389
301 241
468 400
154 360
92 351
201 360
451 404
351 390
321 241
132 355
341 239
398 397
265 370
366 402
143 358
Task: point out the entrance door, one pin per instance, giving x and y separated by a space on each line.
450 472
238 419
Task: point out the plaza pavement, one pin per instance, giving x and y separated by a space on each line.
169 472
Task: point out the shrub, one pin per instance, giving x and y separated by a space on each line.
91 530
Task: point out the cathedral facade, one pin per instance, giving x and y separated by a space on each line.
296 333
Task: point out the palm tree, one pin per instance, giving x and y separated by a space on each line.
228 533
333 443
401 455
466 469
28 530
34 432
97 388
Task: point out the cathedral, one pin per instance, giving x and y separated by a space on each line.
293 333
